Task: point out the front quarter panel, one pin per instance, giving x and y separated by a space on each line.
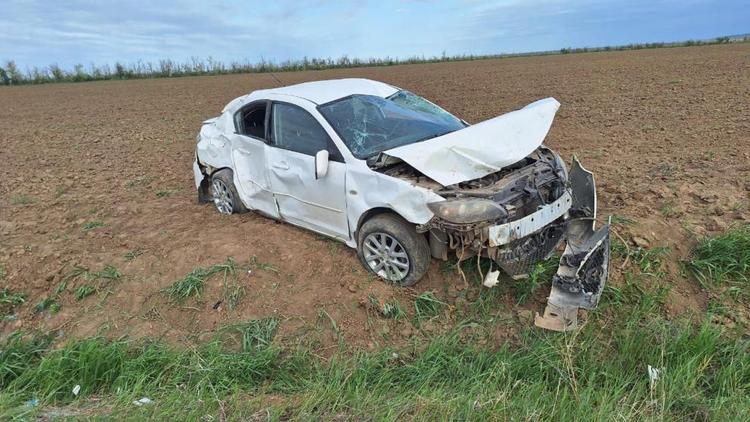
367 189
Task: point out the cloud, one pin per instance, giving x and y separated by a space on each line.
41 32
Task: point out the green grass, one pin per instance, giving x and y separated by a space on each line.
427 305
91 225
667 209
387 309
591 375
248 372
541 273
163 193
193 283
84 291
9 301
723 258
135 253
21 200
254 335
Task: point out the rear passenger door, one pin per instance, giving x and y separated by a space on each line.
317 204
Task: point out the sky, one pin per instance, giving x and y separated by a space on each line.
44 32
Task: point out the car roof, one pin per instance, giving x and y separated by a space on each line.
321 92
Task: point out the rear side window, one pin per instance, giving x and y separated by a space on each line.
251 120
295 129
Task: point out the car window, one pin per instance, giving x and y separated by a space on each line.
295 129
251 120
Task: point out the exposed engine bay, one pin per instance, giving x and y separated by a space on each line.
519 216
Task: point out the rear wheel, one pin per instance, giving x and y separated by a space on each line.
391 248
224 195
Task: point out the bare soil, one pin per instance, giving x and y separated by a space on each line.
666 132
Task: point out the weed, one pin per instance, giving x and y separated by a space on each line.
255 334
2 272
622 220
9 301
91 225
427 305
109 272
390 309
48 303
254 264
135 253
723 258
163 193
538 377
649 260
667 209
539 275
193 283
84 291
61 287
138 181
21 200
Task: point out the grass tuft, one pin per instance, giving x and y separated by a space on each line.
390 309
91 225
256 334
723 258
193 283
84 291
539 275
10 300
427 305
135 253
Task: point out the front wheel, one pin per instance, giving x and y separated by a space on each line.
391 248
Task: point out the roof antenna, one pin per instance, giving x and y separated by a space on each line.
276 79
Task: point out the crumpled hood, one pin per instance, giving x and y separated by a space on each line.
483 148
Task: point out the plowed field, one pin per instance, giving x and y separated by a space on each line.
99 174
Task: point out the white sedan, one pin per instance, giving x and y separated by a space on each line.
402 180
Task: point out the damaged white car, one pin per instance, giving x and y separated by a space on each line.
403 181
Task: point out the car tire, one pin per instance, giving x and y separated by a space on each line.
410 253
224 195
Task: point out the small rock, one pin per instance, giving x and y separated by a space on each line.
641 242
525 315
405 332
352 288
715 224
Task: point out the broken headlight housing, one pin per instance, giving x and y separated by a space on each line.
561 168
468 210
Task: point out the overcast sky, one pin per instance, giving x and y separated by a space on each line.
42 32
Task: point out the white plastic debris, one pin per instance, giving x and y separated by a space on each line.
653 375
491 279
143 401
76 389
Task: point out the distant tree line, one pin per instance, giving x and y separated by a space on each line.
10 74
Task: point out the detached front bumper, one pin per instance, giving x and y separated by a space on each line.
584 265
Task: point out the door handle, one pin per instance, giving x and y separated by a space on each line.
281 166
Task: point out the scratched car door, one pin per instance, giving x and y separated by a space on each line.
318 204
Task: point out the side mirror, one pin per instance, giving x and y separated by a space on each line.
321 164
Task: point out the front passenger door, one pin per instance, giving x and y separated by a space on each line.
318 204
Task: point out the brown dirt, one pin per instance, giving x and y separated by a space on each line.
666 131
